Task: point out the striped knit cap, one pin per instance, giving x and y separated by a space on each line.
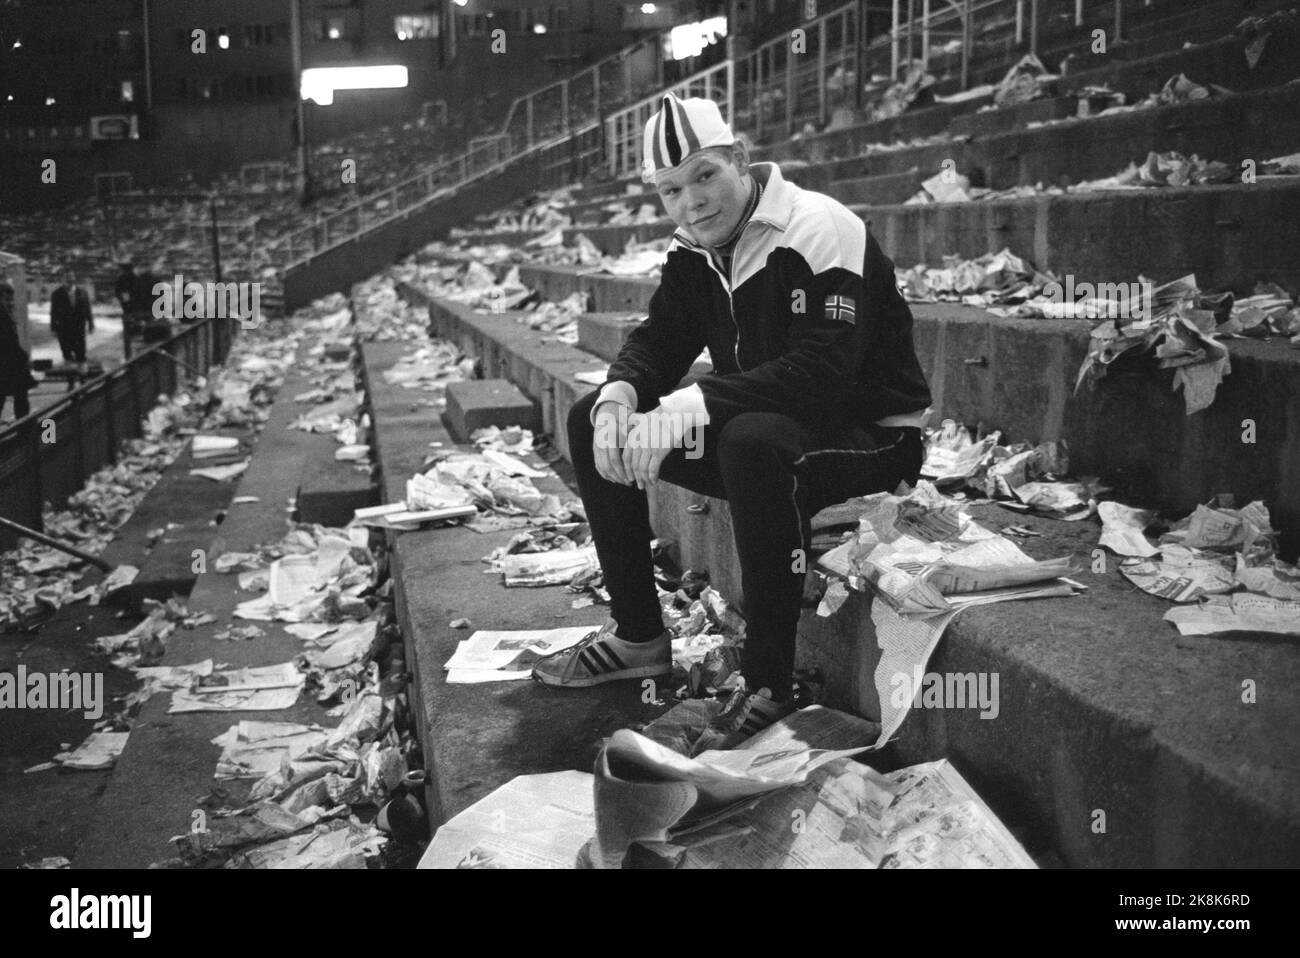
680 129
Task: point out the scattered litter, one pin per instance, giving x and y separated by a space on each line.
1241 612
258 689
99 750
488 656
221 473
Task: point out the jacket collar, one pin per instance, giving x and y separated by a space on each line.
774 206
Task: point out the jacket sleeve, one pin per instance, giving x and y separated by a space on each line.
819 276
660 351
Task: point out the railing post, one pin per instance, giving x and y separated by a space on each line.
1078 13
1119 21
965 44
925 34
1020 22
789 92
757 100
731 91
564 104
893 47
821 72
595 91
1033 27
530 122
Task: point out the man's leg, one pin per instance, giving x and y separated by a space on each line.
65 343
21 406
777 475
620 524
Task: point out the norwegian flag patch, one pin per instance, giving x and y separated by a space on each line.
842 308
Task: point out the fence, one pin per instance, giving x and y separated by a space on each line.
89 423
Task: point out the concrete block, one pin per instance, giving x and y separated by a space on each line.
476 403
603 334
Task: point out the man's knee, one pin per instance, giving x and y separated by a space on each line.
579 429
753 436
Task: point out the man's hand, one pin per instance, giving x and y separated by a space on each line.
650 437
609 441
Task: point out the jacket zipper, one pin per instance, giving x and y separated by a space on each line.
726 286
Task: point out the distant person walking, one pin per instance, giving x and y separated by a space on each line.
15 373
124 290
71 318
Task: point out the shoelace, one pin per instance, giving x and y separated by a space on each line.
572 651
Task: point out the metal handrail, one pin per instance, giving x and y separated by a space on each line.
440 193
95 417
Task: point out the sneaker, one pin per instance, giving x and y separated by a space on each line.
604 657
745 714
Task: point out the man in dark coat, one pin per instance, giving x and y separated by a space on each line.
71 318
15 376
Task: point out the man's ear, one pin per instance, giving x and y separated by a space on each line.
740 156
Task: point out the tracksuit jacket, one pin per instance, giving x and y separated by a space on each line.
810 323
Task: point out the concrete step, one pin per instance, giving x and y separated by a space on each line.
476 738
881 189
603 334
1101 705
1018 375
169 762
1256 125
1231 236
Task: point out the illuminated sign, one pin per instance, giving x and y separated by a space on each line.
319 83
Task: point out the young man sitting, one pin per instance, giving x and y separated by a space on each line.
816 396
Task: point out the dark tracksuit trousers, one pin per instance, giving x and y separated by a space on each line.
775 474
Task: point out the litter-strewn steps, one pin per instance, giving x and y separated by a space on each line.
1102 706
475 738
168 764
1018 375
1231 236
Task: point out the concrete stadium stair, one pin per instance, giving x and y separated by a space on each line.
167 767
1103 706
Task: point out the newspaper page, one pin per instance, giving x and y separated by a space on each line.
847 815
500 656
1240 612
647 793
1180 574
938 821
817 824
906 642
533 821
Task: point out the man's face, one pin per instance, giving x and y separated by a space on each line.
70 280
706 195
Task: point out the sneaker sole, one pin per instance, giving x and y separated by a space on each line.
642 671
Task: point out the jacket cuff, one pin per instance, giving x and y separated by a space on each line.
688 401
620 392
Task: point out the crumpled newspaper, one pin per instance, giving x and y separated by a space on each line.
1181 333
1027 80
904 93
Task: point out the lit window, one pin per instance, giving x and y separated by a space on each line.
18 44
416 26
334 33
539 28
648 8
128 91
223 39
49 101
